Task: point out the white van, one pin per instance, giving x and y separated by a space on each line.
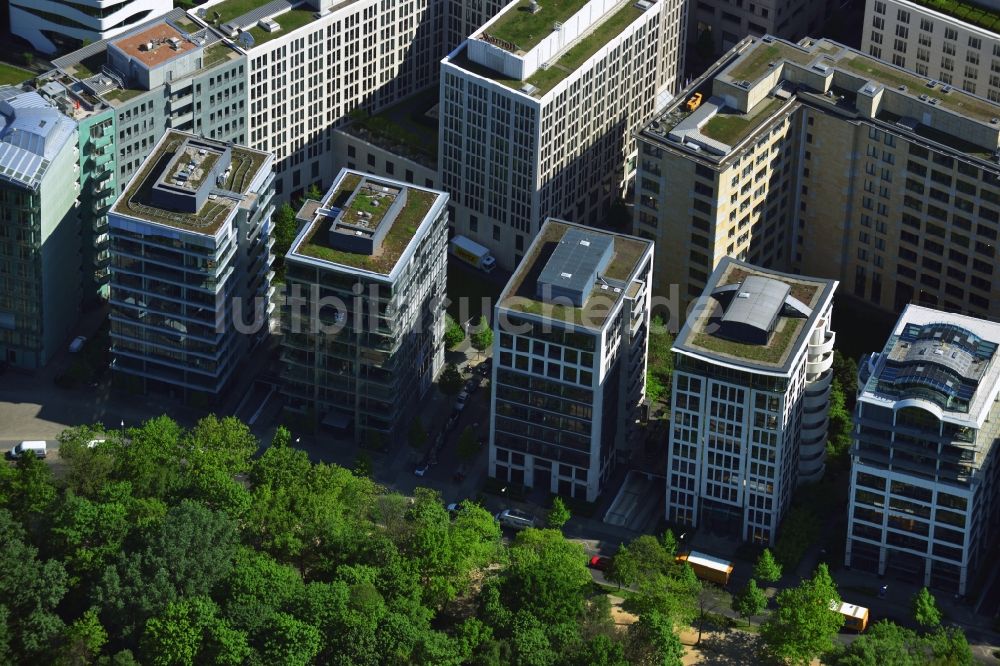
37 448
515 519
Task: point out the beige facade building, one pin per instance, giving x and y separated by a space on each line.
816 158
962 53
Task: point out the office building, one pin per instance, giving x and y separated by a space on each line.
751 392
125 93
720 24
570 344
191 267
364 320
817 158
39 247
311 65
59 26
927 38
923 502
537 122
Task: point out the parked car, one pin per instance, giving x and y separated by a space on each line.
36 448
460 400
421 469
515 519
455 507
77 344
599 562
459 474
95 442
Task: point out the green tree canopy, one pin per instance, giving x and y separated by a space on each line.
749 601
558 515
803 626
925 610
453 332
482 339
450 380
767 569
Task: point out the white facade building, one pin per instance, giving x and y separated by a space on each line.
538 123
570 345
923 501
53 26
937 45
751 387
326 61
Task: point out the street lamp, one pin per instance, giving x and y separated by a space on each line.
123 431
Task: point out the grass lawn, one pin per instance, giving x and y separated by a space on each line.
771 353
404 227
11 75
731 128
231 9
526 30
289 22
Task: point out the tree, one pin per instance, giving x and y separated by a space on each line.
669 542
558 515
643 558
749 601
839 433
767 568
453 333
547 576
467 448
845 372
417 435
285 228
883 643
482 339
363 466
948 645
84 639
450 380
28 58
803 626
925 610
652 640
88 467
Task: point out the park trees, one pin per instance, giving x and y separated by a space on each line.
749 601
558 515
925 610
803 626
767 569
482 338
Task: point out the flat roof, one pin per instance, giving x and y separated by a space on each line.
609 27
153 46
137 202
965 12
710 561
314 243
408 129
526 29
699 336
606 292
947 360
823 74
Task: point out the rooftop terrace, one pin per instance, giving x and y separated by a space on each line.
701 332
969 12
154 45
603 295
137 200
406 129
821 73
363 203
544 80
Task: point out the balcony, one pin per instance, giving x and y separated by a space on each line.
812 430
101 241
825 346
820 365
820 385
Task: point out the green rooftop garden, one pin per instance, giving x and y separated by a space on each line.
289 22
231 9
404 228
215 54
11 75
546 79
773 352
731 128
404 128
956 100
524 29
122 95
969 12
88 66
521 296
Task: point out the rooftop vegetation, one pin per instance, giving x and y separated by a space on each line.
524 29
11 75
289 22
730 128
773 352
982 17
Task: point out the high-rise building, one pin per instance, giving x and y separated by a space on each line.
537 121
53 26
720 24
125 93
364 321
818 158
39 245
191 266
924 468
570 345
750 399
927 38
314 64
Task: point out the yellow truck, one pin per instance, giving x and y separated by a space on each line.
707 567
855 617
